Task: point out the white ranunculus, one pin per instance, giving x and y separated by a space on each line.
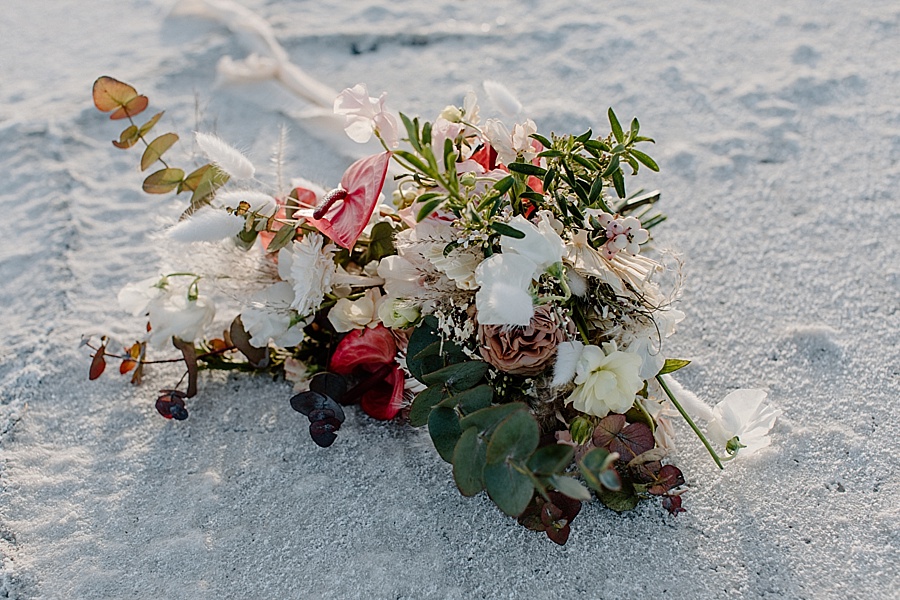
504 297
312 269
743 414
174 315
347 315
541 243
606 379
269 317
136 297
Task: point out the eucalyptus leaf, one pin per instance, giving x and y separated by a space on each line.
510 490
570 487
592 464
443 426
469 462
516 437
157 148
381 242
163 181
459 376
471 400
423 403
619 500
486 419
550 459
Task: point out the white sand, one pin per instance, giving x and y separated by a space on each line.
778 131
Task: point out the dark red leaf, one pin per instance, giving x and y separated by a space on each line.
190 361
323 432
561 535
673 505
98 364
628 439
668 477
170 404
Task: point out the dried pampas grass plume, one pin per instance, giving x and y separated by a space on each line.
225 156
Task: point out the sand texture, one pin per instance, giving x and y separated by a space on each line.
778 134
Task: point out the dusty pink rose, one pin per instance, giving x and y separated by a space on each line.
522 350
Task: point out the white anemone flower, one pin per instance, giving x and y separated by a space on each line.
365 115
136 297
269 317
541 243
743 414
504 296
606 380
175 315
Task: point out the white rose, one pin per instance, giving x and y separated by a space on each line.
606 380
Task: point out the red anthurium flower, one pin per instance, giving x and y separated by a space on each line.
486 156
369 355
345 212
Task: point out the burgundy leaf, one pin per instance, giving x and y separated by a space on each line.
668 477
618 435
98 364
323 432
673 505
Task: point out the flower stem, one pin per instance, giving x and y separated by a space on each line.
690 421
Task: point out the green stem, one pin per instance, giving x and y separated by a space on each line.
690 421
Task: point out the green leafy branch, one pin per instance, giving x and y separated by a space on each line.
123 101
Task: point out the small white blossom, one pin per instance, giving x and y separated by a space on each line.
541 244
510 146
365 115
743 414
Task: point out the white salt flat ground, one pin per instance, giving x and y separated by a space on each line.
778 130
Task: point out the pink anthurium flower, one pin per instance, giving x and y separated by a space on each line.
346 211
369 355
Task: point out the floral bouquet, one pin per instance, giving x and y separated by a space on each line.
507 297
